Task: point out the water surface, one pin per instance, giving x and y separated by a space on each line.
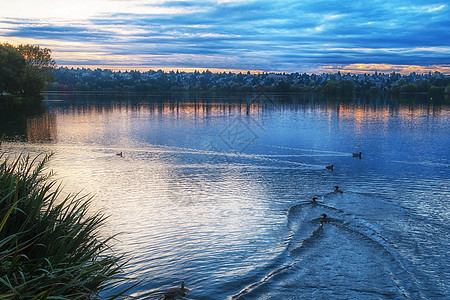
216 190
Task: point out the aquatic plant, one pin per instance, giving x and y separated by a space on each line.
49 245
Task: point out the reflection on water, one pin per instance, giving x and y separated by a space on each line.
215 190
27 122
41 128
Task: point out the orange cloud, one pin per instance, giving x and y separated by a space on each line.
384 68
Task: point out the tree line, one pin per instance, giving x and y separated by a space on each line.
25 70
82 79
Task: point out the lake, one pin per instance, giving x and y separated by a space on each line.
216 190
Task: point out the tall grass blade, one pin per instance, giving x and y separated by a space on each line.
49 246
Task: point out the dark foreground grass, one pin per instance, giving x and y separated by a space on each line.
49 245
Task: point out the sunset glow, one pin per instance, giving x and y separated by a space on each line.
262 36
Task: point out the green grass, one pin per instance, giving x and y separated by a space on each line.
49 245
20 99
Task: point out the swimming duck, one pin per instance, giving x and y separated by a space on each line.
330 167
314 199
357 154
324 217
337 190
173 292
119 154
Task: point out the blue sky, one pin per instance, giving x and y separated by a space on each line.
286 36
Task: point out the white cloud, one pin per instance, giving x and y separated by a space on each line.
423 8
80 9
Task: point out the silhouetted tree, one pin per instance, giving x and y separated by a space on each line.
338 88
447 90
12 66
37 72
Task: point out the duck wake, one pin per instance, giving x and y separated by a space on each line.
339 247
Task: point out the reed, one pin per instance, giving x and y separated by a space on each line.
49 244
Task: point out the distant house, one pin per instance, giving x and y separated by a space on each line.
277 77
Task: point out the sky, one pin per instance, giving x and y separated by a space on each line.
311 36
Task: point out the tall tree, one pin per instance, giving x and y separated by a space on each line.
38 68
12 66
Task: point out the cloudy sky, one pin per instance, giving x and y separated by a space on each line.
287 36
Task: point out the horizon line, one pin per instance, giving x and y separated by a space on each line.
356 69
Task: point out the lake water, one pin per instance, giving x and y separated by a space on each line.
216 190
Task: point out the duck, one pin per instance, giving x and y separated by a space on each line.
119 154
324 217
337 190
314 200
330 167
173 292
357 154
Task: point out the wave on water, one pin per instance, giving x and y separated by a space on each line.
204 158
347 254
423 163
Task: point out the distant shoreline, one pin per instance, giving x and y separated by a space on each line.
338 84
